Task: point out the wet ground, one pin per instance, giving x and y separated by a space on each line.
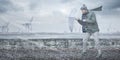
57 54
23 49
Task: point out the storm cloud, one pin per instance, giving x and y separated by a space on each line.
112 4
6 5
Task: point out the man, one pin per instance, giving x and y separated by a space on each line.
89 27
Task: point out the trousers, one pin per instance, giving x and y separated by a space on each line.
87 37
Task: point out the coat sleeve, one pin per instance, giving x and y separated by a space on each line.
81 22
91 18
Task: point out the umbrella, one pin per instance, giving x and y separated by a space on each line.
71 19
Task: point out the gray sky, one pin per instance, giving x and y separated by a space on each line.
52 15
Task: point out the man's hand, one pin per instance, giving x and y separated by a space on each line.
82 22
77 19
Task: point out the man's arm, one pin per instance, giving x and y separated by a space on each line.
80 21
